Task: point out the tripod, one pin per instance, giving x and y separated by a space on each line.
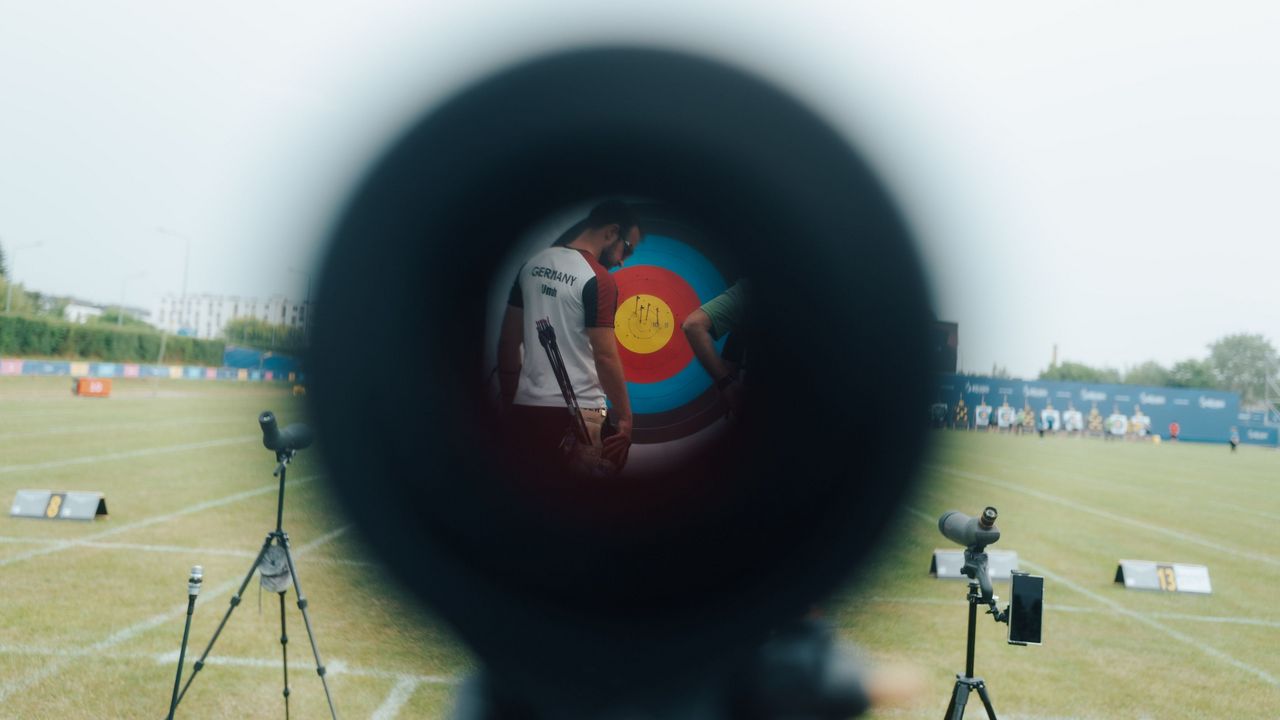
277 539
975 567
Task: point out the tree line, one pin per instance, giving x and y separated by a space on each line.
1241 363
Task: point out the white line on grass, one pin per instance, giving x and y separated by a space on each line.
396 699
1144 619
145 522
170 657
1185 537
109 427
128 633
107 457
171 549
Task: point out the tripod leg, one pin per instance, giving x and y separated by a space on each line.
986 701
235 600
306 620
182 654
284 655
959 697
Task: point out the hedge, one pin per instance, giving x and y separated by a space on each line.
40 337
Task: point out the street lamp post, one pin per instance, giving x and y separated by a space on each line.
8 293
186 265
120 308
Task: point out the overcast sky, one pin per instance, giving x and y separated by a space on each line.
1098 175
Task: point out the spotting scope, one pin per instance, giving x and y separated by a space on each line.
294 437
971 532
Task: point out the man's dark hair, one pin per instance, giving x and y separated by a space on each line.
612 212
608 212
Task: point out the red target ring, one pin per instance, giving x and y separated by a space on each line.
677 297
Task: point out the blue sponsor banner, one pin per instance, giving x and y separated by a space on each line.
43 367
103 369
1202 415
1252 418
1258 435
19 366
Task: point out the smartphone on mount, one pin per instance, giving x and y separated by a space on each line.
1026 609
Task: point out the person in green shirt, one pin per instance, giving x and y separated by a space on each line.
718 317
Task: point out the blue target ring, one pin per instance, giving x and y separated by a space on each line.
691 381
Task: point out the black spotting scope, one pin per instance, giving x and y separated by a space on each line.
657 595
295 437
972 532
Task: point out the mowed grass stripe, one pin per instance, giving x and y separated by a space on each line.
1106 469
1191 465
336 667
62 545
58 664
126 455
109 427
170 549
1108 515
1132 489
1056 608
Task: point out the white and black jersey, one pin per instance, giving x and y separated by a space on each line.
574 291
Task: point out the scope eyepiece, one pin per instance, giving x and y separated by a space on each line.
988 519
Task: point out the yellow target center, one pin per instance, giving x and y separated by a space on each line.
643 324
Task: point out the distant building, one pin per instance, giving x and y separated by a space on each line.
78 312
206 316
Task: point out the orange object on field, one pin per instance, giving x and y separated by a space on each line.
91 387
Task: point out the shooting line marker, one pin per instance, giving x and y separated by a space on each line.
56 505
1162 576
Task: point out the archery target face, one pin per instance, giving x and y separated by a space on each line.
666 279
658 287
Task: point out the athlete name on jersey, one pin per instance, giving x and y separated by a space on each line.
539 271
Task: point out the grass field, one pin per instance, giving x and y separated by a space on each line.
91 614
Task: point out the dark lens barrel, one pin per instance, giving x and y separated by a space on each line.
295 437
623 590
965 530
